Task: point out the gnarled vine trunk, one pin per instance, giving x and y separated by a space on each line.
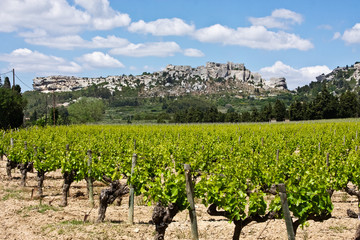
24 169
40 178
68 179
108 196
9 166
240 224
162 217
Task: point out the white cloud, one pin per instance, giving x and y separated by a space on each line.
155 49
99 60
26 60
337 35
104 17
253 37
280 18
352 35
75 41
192 52
325 27
163 27
58 16
294 77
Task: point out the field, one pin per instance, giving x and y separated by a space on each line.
233 166
24 218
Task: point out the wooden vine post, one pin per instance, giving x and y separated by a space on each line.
89 180
10 164
190 197
286 211
131 195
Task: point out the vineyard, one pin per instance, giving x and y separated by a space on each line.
236 173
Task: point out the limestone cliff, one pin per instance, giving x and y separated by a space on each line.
173 80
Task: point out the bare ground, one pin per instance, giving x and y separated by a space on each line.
23 217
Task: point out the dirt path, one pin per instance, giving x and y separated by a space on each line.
22 217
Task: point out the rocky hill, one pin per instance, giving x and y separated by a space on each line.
173 80
339 80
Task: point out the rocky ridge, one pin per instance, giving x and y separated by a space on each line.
348 73
173 80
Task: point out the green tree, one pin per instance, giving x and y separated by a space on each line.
246 117
279 110
86 110
254 115
7 83
296 112
266 113
325 105
11 108
349 105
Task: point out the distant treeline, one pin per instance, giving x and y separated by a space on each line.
324 106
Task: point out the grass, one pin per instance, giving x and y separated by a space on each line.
72 222
12 194
41 208
338 228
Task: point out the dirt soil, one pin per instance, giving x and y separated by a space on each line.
23 217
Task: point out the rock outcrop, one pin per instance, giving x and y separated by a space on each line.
173 80
348 73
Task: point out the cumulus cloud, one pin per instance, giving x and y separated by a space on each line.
280 18
253 37
26 60
155 49
103 16
162 27
192 52
58 16
70 42
294 77
352 35
99 60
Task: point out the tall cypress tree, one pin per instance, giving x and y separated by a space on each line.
7 83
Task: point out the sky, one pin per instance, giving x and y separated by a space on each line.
298 40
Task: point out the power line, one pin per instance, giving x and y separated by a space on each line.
6 73
22 82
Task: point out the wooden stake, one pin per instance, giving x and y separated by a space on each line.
131 196
190 197
90 184
286 211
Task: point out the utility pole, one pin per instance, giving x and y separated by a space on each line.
13 87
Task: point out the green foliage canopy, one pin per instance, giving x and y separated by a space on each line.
11 108
86 110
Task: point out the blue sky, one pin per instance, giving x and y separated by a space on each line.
294 39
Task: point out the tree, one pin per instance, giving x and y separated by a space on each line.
11 108
349 105
86 110
296 112
325 105
279 110
254 115
7 83
16 88
245 117
266 113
